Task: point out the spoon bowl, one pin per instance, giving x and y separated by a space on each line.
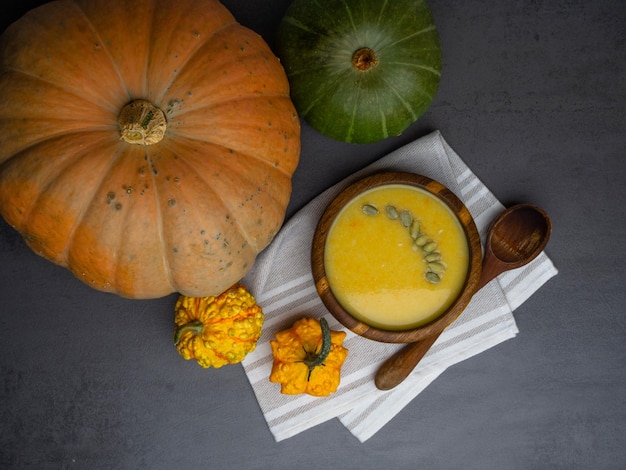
515 238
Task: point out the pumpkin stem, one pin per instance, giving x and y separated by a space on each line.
194 327
364 59
141 123
313 359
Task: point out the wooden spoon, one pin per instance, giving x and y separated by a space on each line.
514 239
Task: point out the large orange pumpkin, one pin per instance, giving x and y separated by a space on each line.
147 145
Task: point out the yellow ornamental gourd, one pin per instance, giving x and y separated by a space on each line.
308 358
218 330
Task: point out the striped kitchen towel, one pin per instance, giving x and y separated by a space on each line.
282 283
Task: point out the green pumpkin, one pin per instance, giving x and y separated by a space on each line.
360 70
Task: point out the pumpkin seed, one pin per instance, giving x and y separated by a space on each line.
406 218
434 256
430 246
436 267
369 209
421 240
392 212
414 231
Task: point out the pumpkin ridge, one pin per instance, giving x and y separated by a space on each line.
355 112
406 105
146 67
113 108
61 127
254 49
189 58
298 24
432 70
49 181
321 93
411 36
284 170
383 7
350 17
383 116
88 203
160 223
228 207
230 100
26 220
38 19
48 138
270 195
331 17
107 51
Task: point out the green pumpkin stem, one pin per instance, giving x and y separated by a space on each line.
313 359
194 327
364 59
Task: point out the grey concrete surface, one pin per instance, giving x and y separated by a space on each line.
532 97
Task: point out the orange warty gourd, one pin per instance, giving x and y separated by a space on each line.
146 145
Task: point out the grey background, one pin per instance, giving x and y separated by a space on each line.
533 98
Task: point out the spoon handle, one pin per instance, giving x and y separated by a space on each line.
395 369
519 234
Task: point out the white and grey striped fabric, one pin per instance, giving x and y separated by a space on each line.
282 283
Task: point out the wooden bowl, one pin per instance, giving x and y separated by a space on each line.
388 335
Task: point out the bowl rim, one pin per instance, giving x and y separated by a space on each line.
333 209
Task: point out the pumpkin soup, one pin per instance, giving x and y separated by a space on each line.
396 257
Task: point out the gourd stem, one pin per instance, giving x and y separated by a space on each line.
194 327
141 123
313 359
